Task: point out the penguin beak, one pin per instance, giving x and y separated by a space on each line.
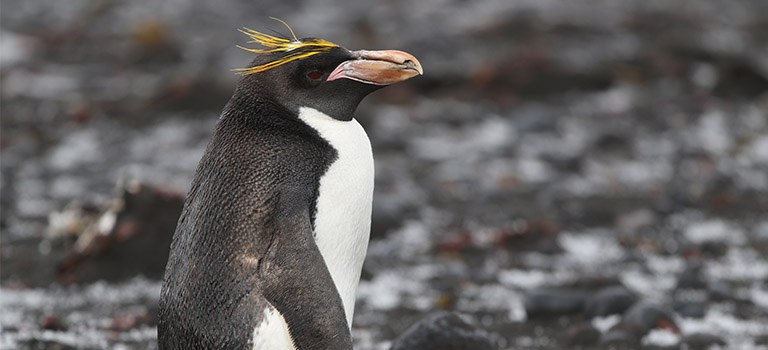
378 67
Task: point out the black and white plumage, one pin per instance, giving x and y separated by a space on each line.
268 250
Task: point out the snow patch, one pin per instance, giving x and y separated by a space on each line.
386 290
603 324
79 148
714 231
661 337
590 249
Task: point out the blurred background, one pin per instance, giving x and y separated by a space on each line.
568 174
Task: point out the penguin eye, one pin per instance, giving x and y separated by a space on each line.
314 75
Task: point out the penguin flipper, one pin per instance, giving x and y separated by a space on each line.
296 282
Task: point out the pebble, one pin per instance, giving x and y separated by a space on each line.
690 309
701 341
52 323
582 334
608 301
554 301
692 277
444 331
640 319
644 316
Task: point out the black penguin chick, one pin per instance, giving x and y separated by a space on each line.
268 249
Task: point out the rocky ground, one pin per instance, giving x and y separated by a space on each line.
568 175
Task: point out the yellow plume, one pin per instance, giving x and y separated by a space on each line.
294 49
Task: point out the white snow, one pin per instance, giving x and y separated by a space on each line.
14 49
387 289
79 148
714 230
652 286
661 337
711 134
590 248
716 321
740 264
528 279
758 150
603 324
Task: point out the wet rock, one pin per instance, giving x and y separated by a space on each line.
692 309
544 302
152 312
456 242
692 278
620 339
640 319
72 220
582 334
740 80
131 237
714 249
127 322
535 235
701 341
52 323
722 291
608 301
444 331
761 340
633 222
123 323
593 282
153 43
644 316
190 93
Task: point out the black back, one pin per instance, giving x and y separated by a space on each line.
244 239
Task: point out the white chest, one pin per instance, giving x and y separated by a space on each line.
343 217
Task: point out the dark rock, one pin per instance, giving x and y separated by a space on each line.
714 249
721 291
444 331
692 278
152 310
692 309
617 338
593 282
538 235
701 341
582 334
131 237
761 340
52 323
124 323
641 318
647 315
740 80
609 301
552 301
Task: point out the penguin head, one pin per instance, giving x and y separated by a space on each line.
321 75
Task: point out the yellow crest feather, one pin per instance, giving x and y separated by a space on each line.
294 49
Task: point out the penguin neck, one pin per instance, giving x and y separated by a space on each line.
343 208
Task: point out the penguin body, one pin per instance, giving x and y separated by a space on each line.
269 247
245 246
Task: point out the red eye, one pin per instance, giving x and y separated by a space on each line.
314 75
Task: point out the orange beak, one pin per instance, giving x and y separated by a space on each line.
378 67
